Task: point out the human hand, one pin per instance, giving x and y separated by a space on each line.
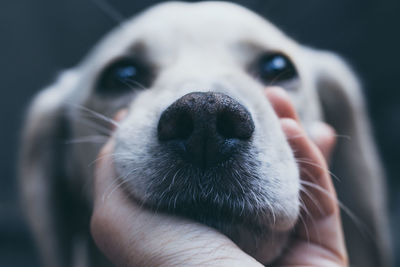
318 240
132 236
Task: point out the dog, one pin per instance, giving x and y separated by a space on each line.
191 77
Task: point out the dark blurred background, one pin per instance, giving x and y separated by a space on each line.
40 38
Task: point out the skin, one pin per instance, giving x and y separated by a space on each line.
132 236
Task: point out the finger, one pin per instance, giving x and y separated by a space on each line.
281 103
322 134
313 168
324 137
321 223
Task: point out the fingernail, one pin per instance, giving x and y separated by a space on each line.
320 130
121 115
276 90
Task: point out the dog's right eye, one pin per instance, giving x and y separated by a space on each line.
123 76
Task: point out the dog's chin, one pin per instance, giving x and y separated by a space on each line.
249 223
227 197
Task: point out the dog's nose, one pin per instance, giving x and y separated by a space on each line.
205 128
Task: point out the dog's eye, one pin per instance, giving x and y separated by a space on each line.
275 68
123 76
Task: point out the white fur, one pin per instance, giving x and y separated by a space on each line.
196 47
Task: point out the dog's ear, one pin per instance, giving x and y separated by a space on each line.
41 169
361 183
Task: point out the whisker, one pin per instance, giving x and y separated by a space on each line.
121 183
305 161
109 10
343 136
312 198
123 180
101 129
301 217
295 137
108 155
96 114
272 82
173 180
272 211
360 225
347 137
162 181
95 139
131 81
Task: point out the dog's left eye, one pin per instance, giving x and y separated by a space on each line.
275 68
123 76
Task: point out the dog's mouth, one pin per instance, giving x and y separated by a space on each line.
217 196
205 166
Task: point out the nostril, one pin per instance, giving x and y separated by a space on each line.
177 126
226 125
234 124
184 127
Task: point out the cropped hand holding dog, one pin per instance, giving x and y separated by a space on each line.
130 235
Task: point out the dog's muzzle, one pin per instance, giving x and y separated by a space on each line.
205 129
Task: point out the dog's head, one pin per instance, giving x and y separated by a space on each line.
200 138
